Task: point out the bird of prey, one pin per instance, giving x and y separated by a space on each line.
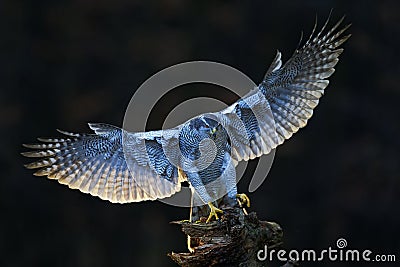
123 167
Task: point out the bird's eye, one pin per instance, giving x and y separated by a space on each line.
213 130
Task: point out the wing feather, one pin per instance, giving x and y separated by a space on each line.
96 164
285 100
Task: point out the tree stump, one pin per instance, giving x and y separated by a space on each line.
234 240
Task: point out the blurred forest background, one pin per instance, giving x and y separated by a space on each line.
66 63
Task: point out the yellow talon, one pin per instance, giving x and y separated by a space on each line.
213 212
243 199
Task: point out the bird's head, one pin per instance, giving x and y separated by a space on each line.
206 127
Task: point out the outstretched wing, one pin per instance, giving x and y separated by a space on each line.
256 124
286 98
95 164
294 90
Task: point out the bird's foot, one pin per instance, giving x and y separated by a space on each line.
213 212
243 200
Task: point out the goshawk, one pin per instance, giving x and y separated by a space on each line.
202 151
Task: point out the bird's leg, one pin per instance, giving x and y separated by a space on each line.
213 212
243 200
181 175
189 246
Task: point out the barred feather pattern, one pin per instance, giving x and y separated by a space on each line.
95 164
294 90
259 122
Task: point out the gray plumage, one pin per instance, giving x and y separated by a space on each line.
205 149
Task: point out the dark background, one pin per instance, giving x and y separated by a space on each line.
66 63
